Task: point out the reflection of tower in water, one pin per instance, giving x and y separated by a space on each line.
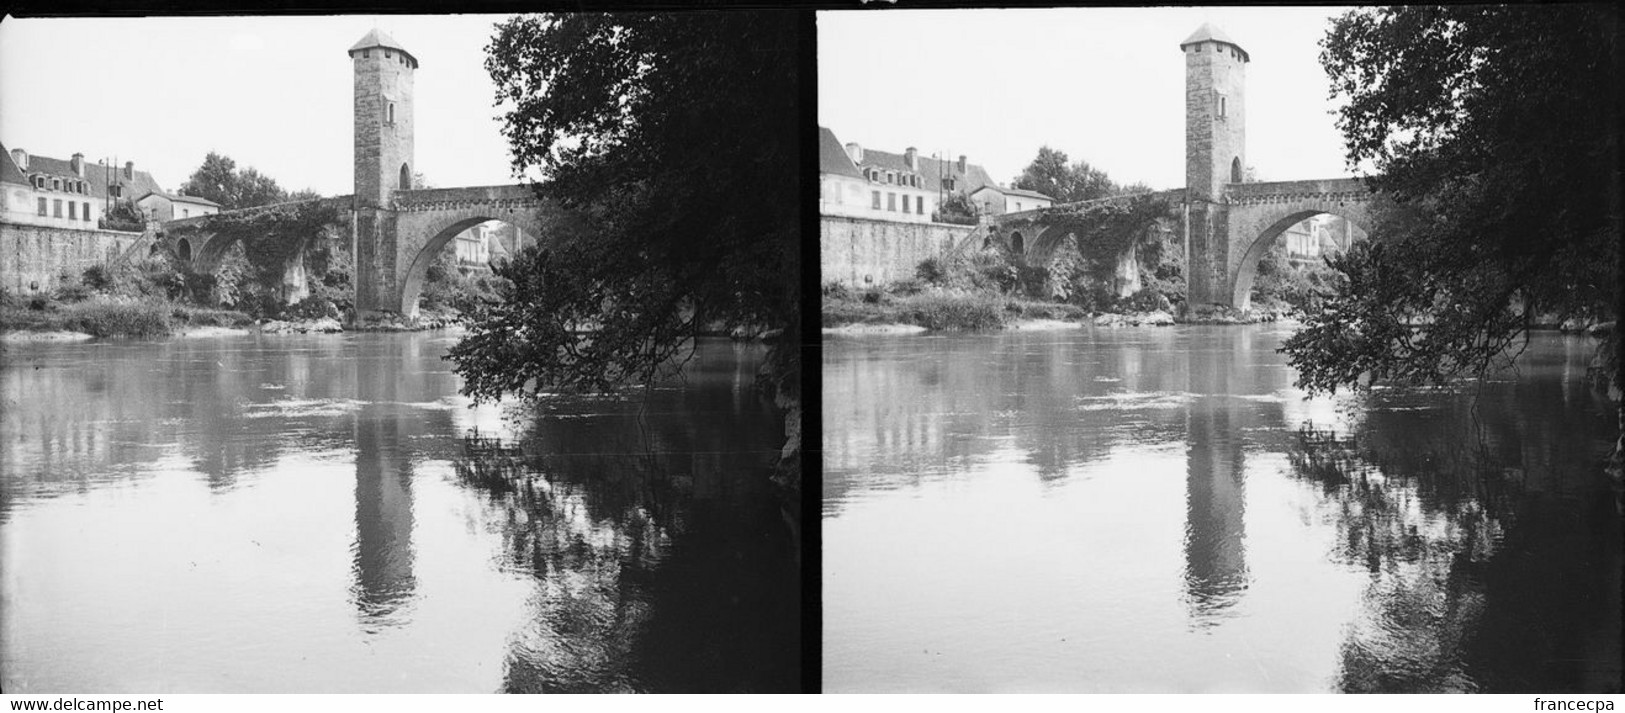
383 496
1215 492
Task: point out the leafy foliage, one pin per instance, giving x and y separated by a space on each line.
1495 134
123 215
1051 174
672 141
219 180
956 208
251 275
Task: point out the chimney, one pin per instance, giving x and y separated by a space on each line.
911 156
961 163
78 164
129 168
21 157
855 151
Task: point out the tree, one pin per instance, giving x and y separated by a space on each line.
1050 174
1494 131
219 180
672 141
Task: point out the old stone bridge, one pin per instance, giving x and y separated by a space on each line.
396 230
1227 224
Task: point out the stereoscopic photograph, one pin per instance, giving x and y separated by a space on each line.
1220 349
401 354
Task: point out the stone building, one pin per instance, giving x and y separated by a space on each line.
998 200
856 182
160 206
51 192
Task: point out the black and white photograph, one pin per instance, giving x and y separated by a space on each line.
1219 351
1216 350
398 354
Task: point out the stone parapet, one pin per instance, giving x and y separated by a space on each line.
1333 189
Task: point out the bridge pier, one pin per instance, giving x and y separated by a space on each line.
1206 243
376 291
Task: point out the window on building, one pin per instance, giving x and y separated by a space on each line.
389 113
56 208
187 213
905 204
42 206
73 210
115 190
873 194
56 184
919 205
86 211
1222 105
891 202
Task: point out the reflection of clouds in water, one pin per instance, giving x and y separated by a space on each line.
486 418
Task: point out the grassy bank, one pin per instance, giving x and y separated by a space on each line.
113 317
937 309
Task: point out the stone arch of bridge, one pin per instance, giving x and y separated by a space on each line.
437 231
1256 228
1041 249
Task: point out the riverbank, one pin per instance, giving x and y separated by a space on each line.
933 310
42 319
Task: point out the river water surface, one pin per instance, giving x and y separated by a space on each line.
1160 510
325 513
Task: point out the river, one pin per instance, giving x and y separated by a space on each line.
1160 510
324 513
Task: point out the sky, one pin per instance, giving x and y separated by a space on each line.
271 93
1104 85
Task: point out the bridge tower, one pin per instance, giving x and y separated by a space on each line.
383 118
1215 151
383 162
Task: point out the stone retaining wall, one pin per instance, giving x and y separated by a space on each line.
861 251
33 258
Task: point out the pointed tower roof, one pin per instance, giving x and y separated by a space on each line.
1208 33
378 38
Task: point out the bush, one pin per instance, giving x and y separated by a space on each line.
957 312
97 277
72 293
836 291
312 307
933 270
907 287
139 319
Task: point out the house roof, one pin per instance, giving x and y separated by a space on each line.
832 156
1025 193
932 171
96 178
10 172
378 38
196 200
1022 192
